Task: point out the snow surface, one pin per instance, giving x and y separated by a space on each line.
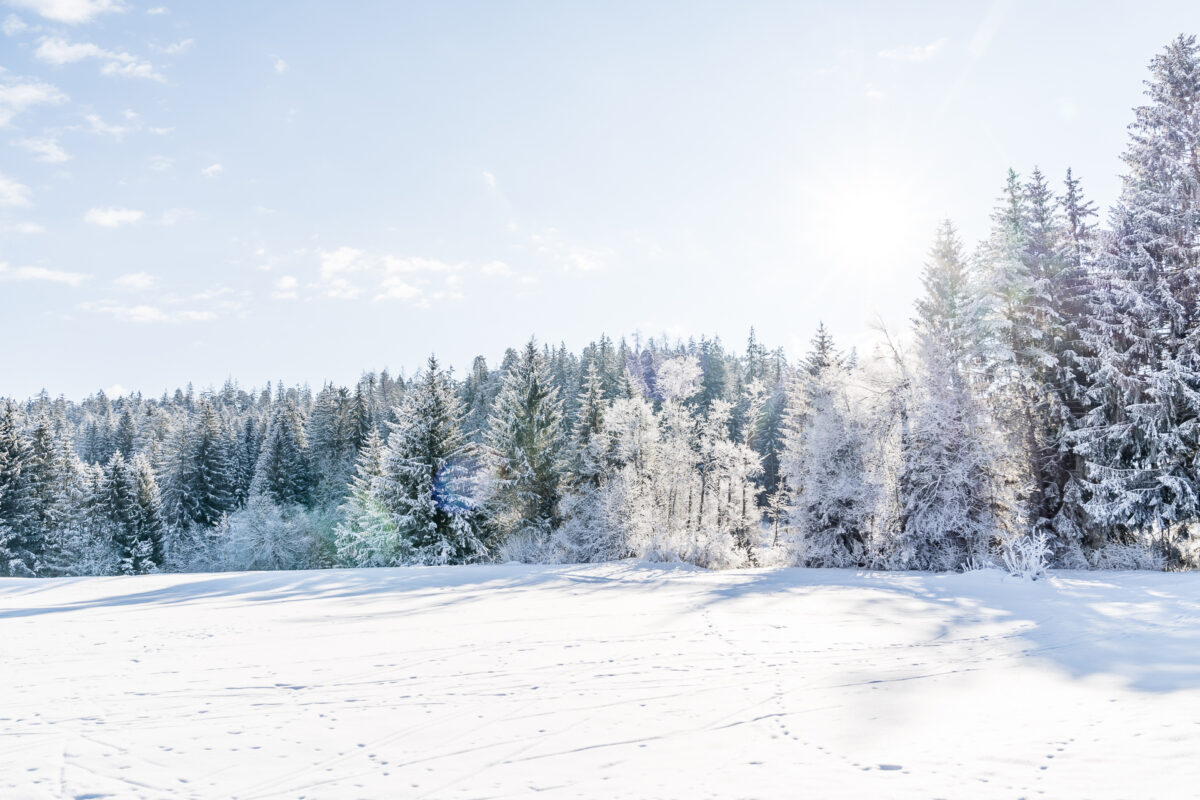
608 681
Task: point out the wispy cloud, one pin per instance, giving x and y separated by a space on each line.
212 170
136 281
13 25
158 10
145 313
568 255
173 216
285 288
499 269
53 50
279 65
348 273
17 96
98 126
13 193
8 273
178 48
44 149
914 54
113 217
25 227
71 12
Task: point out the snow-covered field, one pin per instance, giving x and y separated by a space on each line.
605 681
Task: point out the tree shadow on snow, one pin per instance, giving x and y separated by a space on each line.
1141 627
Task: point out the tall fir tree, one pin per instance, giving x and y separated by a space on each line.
526 437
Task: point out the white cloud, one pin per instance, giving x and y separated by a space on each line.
101 128
394 288
13 25
25 227
914 54
212 170
568 255
13 193
348 273
8 273
344 259
135 281
392 264
162 131
44 149
157 10
113 217
59 51
873 93
489 178
173 215
178 48
70 11
498 268
161 163
280 66
17 96
145 313
285 288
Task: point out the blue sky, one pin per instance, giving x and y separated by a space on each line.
307 190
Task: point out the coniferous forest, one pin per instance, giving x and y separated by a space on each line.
1044 410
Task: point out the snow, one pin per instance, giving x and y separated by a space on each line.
606 681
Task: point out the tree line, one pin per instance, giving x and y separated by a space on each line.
1043 409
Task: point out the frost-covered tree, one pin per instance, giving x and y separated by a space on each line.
832 505
954 492
283 474
368 535
426 510
1142 429
132 513
21 536
199 480
526 437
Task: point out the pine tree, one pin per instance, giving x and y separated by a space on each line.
283 473
833 507
367 535
424 481
200 479
1142 429
589 425
954 496
133 513
21 541
525 434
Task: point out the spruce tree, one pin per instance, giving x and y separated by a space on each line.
526 437
21 536
424 485
283 473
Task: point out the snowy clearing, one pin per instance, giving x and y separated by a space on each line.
606 681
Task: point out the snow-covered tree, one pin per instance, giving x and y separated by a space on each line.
21 536
283 473
955 492
427 512
526 437
1141 433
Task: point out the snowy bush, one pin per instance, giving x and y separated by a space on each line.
267 536
524 547
1026 556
